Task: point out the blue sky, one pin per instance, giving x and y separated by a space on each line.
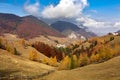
95 14
103 8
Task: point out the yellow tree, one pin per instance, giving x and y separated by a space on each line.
83 59
65 63
33 55
45 61
53 61
75 61
94 58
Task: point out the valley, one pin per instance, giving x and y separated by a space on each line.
31 49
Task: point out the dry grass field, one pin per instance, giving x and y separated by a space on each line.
109 70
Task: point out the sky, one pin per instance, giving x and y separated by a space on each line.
99 16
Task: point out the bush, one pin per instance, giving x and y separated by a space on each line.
56 41
111 38
11 49
2 45
23 42
45 61
16 52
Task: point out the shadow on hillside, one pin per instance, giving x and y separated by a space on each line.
4 73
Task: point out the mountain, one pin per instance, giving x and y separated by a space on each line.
8 23
118 31
67 28
62 25
26 27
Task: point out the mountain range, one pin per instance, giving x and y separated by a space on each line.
30 26
67 28
26 27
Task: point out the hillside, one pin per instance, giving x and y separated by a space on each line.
25 27
66 28
19 65
95 58
15 60
109 70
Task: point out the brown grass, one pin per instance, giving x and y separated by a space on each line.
109 70
17 65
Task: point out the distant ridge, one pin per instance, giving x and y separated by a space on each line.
26 27
67 28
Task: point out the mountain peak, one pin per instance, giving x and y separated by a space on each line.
67 28
26 27
7 16
64 25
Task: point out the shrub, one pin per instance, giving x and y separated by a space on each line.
2 45
111 38
33 55
10 49
45 61
56 41
16 52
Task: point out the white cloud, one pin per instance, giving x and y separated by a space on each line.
117 24
32 9
65 9
99 27
72 9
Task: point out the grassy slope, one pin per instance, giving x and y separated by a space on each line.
20 64
17 65
109 70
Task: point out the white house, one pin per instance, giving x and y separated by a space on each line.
115 33
61 45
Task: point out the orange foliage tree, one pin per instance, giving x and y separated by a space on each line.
83 59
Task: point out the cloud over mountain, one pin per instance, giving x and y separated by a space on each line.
72 9
65 9
32 9
99 27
